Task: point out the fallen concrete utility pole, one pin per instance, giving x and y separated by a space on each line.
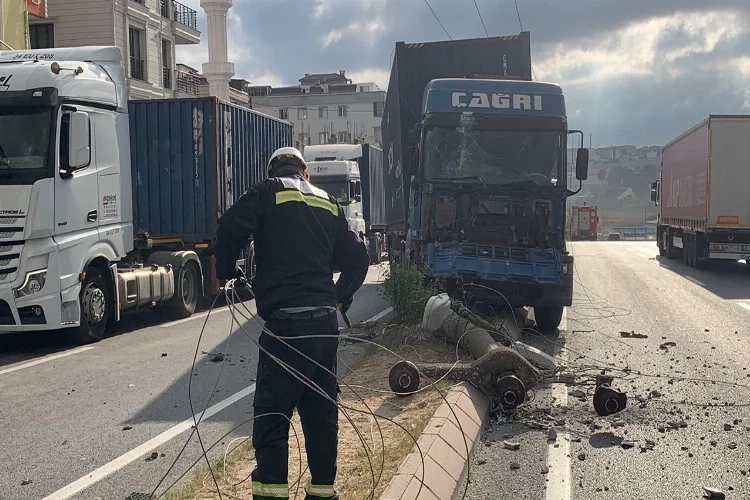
504 368
500 372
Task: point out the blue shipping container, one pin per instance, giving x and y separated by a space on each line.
192 158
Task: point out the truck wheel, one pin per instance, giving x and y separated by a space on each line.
186 291
95 301
250 267
548 318
662 244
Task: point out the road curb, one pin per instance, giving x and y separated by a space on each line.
444 448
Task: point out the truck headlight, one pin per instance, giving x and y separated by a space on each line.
33 283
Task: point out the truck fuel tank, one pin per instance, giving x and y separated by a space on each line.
142 286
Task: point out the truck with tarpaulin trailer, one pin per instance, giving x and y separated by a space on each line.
476 177
702 193
108 205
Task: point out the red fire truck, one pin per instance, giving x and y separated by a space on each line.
583 223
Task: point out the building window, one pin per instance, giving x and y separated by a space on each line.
322 138
364 88
302 113
42 36
166 64
137 63
377 109
323 112
284 113
345 137
343 111
304 138
378 135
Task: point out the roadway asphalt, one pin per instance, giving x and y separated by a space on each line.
79 423
686 434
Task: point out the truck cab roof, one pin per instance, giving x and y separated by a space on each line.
92 74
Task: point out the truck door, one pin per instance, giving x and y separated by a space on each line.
76 183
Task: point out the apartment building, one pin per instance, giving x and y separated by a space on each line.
325 108
146 31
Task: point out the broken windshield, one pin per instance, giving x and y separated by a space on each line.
495 156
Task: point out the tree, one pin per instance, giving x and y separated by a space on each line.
601 174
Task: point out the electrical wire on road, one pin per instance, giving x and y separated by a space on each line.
231 298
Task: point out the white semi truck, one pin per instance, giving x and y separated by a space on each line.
353 174
108 205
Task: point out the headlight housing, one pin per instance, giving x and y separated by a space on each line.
33 283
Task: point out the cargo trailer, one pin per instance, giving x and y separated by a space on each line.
704 210
584 223
126 219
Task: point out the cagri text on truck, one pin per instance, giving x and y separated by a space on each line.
108 205
477 179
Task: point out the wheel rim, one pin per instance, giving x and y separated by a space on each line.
94 304
188 290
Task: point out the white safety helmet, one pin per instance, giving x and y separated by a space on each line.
286 156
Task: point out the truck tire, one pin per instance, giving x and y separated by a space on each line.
548 318
95 299
186 291
662 243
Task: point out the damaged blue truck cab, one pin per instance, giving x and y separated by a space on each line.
487 201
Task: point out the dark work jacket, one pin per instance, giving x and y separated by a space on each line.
300 235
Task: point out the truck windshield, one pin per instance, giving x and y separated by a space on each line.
24 138
494 156
339 189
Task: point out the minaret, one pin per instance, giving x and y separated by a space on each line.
218 70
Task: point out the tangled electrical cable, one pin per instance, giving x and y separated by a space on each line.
230 295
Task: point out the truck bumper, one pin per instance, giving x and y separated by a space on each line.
38 312
523 294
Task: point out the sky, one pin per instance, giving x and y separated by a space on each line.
634 71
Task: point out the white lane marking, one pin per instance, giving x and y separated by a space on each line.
379 315
558 458
744 305
153 443
216 311
45 359
138 453
697 282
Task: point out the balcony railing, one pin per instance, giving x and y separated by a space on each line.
137 68
187 83
166 78
185 15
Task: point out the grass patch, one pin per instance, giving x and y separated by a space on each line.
355 476
407 289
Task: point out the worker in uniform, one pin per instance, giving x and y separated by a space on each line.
301 236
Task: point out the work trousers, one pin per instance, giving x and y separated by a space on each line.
279 392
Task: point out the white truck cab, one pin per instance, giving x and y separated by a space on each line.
334 168
66 217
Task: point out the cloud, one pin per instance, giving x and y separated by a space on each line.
379 76
635 71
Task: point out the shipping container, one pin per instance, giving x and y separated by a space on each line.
414 65
373 190
192 158
704 212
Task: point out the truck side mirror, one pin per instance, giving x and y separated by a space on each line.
654 192
79 140
582 164
358 197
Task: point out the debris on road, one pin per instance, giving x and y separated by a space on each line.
509 445
713 493
666 345
127 428
154 455
515 466
26 482
633 335
216 357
